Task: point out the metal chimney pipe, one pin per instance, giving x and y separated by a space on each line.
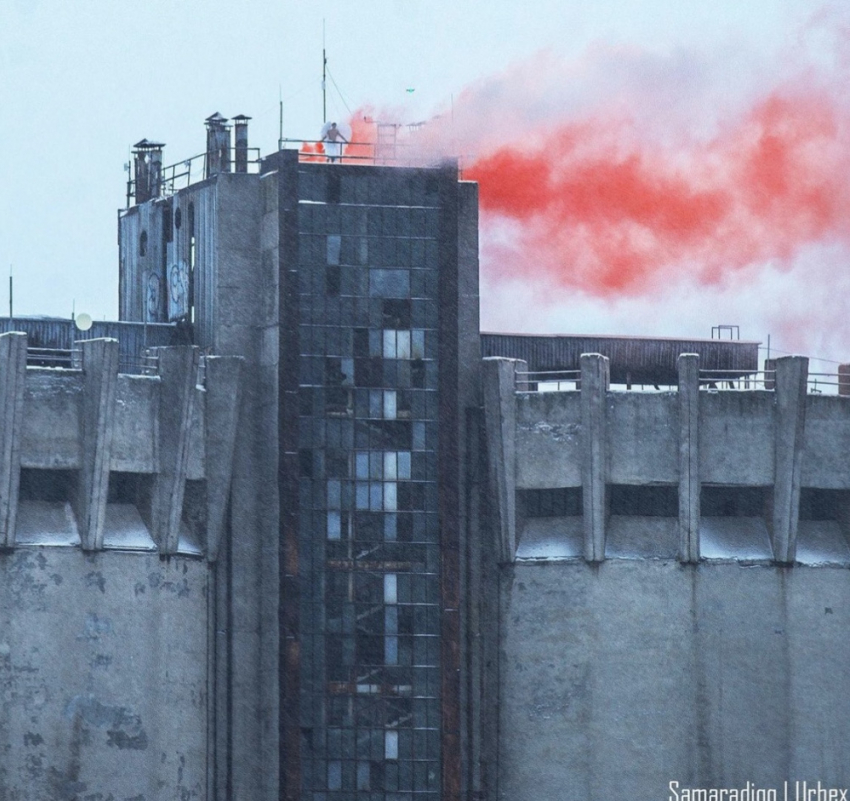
147 159
218 145
240 132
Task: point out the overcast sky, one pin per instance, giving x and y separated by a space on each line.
82 81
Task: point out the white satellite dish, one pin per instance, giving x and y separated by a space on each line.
83 321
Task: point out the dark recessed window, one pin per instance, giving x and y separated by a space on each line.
821 504
395 313
178 218
167 224
143 244
644 501
732 501
560 502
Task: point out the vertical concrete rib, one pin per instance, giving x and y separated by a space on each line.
178 370
792 373
100 380
223 399
689 482
13 366
499 377
595 374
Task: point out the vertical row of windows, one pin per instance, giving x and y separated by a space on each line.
368 508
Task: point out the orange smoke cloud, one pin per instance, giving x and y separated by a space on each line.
597 207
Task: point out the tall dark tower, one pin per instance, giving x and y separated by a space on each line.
352 291
381 281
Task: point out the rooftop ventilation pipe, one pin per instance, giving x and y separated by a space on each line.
147 159
218 145
240 132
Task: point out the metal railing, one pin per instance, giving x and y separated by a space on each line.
733 380
817 383
399 154
147 363
51 357
184 173
548 381
829 383
72 359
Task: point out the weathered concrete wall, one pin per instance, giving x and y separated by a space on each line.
737 433
244 321
547 440
103 676
827 443
52 427
619 678
736 437
634 419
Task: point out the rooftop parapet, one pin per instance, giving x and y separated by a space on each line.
100 459
695 473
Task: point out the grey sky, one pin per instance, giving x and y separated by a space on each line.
81 81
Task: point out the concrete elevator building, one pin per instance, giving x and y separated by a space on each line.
351 291
305 533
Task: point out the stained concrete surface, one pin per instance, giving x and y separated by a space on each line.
103 676
616 679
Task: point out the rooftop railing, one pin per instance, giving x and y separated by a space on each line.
818 383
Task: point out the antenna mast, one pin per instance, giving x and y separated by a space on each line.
280 123
324 78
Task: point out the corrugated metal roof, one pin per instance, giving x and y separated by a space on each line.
639 360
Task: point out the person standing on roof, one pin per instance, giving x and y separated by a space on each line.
333 140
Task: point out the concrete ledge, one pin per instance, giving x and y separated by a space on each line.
13 364
100 379
499 379
223 401
594 451
689 453
178 369
791 378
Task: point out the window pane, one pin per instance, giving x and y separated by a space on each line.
375 496
389 350
390 746
390 588
335 773
389 283
390 497
362 495
334 247
334 527
417 345
390 405
362 465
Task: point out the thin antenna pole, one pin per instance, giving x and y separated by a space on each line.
11 291
324 78
280 124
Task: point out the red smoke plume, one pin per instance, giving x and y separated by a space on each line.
601 210
660 194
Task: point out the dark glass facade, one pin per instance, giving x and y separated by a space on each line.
368 451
